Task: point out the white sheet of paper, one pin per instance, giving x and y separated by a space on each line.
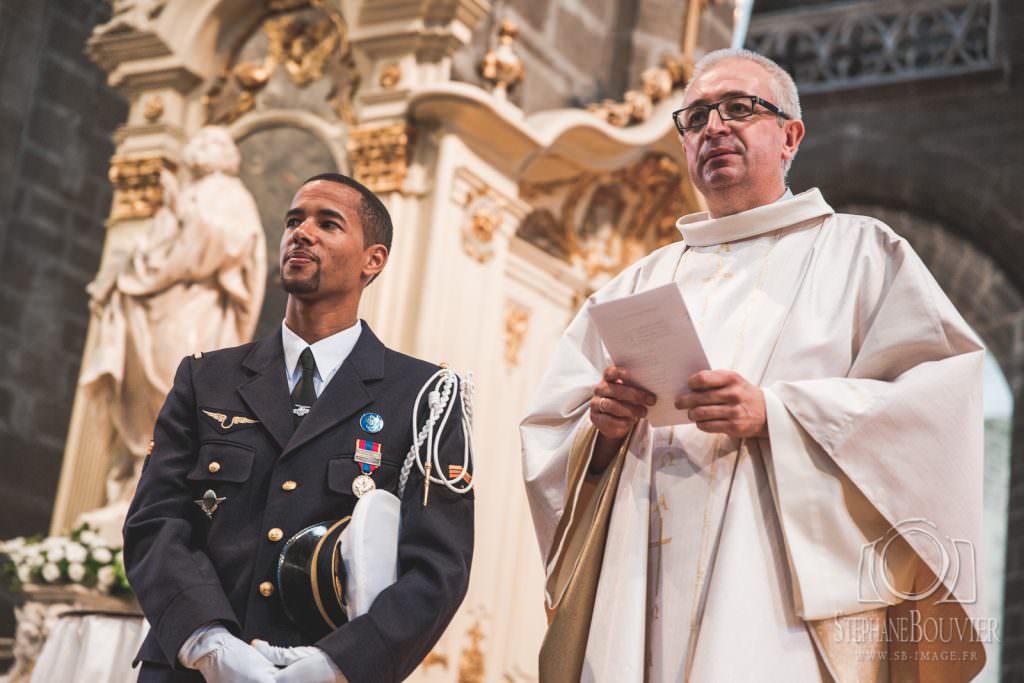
652 335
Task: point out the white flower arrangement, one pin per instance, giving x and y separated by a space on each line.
82 558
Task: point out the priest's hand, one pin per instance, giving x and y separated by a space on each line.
617 405
615 408
722 402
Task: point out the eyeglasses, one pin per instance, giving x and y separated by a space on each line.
733 108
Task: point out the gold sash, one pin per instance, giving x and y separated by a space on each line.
574 571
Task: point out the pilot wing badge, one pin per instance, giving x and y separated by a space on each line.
228 422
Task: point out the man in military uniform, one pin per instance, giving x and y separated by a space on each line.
258 442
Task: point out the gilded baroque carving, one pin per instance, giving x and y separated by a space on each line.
435 658
471 664
379 155
308 40
517 324
601 222
390 75
302 47
637 105
501 67
482 218
138 191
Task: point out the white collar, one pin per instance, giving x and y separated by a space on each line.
329 353
700 230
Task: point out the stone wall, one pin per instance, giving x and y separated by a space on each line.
56 121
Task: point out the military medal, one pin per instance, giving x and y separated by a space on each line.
367 452
364 483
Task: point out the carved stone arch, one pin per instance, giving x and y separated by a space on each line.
330 134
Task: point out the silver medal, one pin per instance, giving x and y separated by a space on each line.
362 485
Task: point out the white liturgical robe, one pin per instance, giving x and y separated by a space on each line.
787 557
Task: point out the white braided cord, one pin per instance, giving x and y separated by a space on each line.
441 385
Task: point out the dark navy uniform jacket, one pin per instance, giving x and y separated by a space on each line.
188 570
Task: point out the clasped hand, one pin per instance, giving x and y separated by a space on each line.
222 658
721 402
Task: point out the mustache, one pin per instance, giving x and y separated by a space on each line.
300 252
717 150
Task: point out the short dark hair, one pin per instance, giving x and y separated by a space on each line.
377 227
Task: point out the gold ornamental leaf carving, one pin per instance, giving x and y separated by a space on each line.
471 663
481 220
138 192
637 106
390 75
602 222
301 45
517 324
307 40
501 68
379 155
435 658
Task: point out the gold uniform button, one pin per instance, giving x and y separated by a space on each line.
266 589
275 535
214 467
289 485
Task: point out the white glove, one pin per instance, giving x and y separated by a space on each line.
304 664
222 658
284 656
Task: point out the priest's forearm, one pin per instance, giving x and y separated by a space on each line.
604 452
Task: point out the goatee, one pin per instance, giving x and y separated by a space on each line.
303 286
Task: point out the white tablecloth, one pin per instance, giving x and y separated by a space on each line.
90 647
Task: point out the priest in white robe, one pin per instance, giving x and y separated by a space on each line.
820 517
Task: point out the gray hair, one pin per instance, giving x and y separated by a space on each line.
783 89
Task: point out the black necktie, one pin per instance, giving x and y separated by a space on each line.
304 395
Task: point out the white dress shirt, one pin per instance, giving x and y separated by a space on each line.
329 353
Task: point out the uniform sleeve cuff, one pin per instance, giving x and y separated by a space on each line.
190 609
358 649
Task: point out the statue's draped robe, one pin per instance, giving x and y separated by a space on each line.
195 284
706 558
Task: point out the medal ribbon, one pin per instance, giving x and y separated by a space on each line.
367 468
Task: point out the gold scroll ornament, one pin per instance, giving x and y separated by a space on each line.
137 189
379 155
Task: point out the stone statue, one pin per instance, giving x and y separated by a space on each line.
194 283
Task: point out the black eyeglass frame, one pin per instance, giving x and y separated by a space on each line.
754 101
